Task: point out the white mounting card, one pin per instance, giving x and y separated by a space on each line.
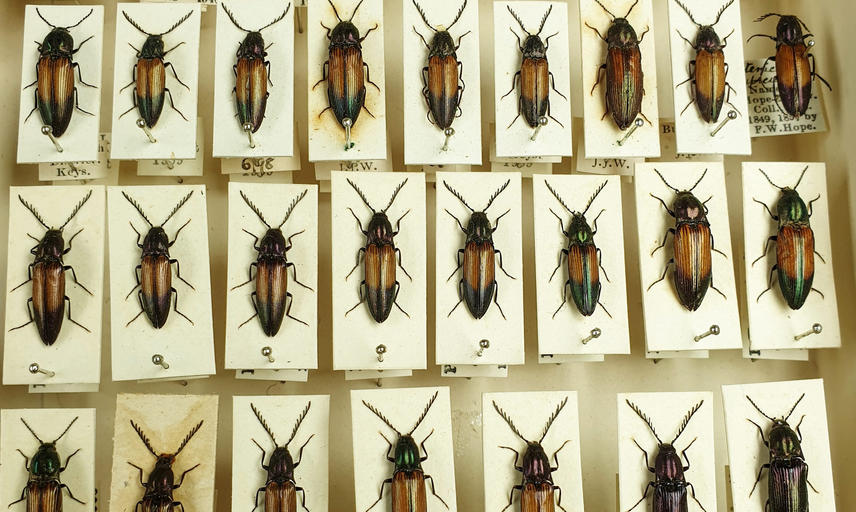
368 134
562 329
175 136
75 356
356 335
81 139
666 411
274 136
295 343
531 413
188 348
772 323
694 134
669 326
423 138
48 424
311 445
746 450
165 420
458 332
513 134
403 408
601 132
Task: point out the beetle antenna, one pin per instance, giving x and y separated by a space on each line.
424 17
264 423
495 194
605 9
686 421
458 195
281 16
177 23
291 207
253 206
35 212
794 407
722 10
179 205
66 430
134 24
362 196
51 25
458 16
395 193
801 177
692 18
424 413
144 438
138 208
507 419
645 418
335 11
93 10
189 435
76 209
355 11
771 181
596 192
232 17
544 19
764 414
697 181
519 21
666 182
765 16
553 418
32 431
561 201
631 8
299 421
381 416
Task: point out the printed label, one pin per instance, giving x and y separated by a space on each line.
66 171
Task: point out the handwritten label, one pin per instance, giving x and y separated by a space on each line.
262 177
175 166
767 117
66 171
669 148
323 169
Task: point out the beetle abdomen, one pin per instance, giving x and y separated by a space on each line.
692 263
280 497
44 496
670 497
157 504
793 77
346 88
624 85
55 92
479 279
795 259
537 498
48 299
151 83
534 89
788 486
584 276
251 93
408 492
710 84
271 287
443 89
156 285
380 280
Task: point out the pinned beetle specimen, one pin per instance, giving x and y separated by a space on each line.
537 487
583 258
408 478
149 76
43 491
154 273
534 76
379 287
280 489
272 300
343 72
252 75
669 484
55 93
478 284
795 66
160 487
794 245
624 84
46 306
708 69
692 244
787 481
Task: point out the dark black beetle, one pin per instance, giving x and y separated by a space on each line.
271 299
478 284
160 487
379 287
55 94
669 484
280 488
537 488
43 491
154 273
47 273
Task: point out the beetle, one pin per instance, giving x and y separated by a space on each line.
708 70
795 66
271 299
46 305
43 491
692 246
343 71
583 258
408 478
442 78
624 83
379 287
280 489
252 75
536 488
158 496
787 480
149 75
55 94
154 273
478 283
534 75
670 484
794 245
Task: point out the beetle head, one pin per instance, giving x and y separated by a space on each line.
58 41
621 34
688 208
789 30
345 33
153 48
51 244
707 39
272 243
380 228
156 240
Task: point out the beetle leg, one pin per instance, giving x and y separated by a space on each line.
29 277
24 493
368 78
663 243
294 270
362 298
255 308
74 278
458 221
250 280
713 247
769 284
514 80
77 104
290 298
600 264
775 217
684 453
810 203
670 262
368 32
561 225
142 483
300 452
797 429
559 500
562 254
172 104
458 258
421 37
175 305
259 491
70 495
496 222
138 234
359 224
181 480
645 455
397 250
263 455
670 212
460 298
26 460
761 432
564 296
36 101
142 310
496 297
766 248
596 32
380 496
72 320
687 40
79 77
369 112
556 455
434 491
597 76
398 223
422 445
694 497
463 86
324 70
594 223
29 312
644 495
517 466
549 110
178 504
395 299
171 49
360 254
175 238
642 35
137 276
553 84
814 73
267 66
389 449
497 251
255 243
302 497
68 459
763 467
178 273
822 296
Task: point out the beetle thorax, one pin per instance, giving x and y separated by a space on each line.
58 43
407 454
791 208
152 48
273 243
345 34
479 228
281 465
51 245
533 48
708 39
784 442
253 47
156 241
442 44
380 229
580 231
668 464
621 34
789 31
46 461
688 208
536 464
